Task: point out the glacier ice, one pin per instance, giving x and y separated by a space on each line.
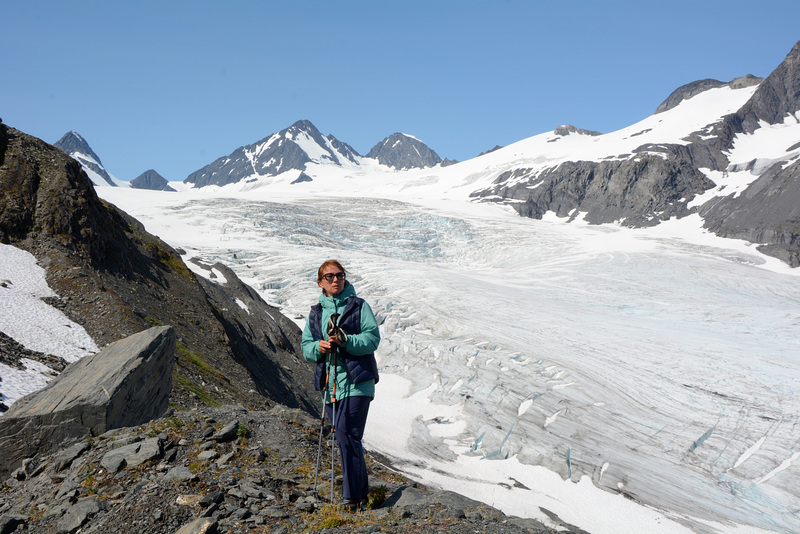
607 351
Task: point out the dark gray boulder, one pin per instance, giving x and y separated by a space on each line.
127 383
78 515
133 454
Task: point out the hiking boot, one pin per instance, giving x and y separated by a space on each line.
353 505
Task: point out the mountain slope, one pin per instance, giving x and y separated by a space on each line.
763 140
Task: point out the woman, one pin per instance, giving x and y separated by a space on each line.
341 336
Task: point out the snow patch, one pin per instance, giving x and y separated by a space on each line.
30 321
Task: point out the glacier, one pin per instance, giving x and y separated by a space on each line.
623 380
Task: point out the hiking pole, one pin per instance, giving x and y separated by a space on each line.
332 328
321 430
333 422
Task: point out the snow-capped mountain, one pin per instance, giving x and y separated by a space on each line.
290 149
150 179
301 146
726 151
76 146
402 151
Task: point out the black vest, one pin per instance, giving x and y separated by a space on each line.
359 368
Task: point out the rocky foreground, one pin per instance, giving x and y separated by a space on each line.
227 470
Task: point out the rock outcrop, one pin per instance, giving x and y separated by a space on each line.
255 328
127 383
689 90
640 192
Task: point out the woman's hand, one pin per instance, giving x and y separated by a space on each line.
326 345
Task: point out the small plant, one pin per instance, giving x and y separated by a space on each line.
183 381
90 483
377 496
305 469
330 516
153 321
186 356
176 424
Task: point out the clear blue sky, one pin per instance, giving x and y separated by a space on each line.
173 85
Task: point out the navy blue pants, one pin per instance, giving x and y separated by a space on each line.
351 418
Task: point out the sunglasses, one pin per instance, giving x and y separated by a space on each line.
330 276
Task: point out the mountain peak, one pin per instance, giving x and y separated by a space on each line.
291 149
303 124
72 142
685 92
403 151
150 179
75 146
777 96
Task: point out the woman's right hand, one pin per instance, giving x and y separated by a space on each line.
326 345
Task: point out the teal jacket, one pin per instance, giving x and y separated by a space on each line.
358 350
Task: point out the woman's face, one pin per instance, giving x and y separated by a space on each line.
332 282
